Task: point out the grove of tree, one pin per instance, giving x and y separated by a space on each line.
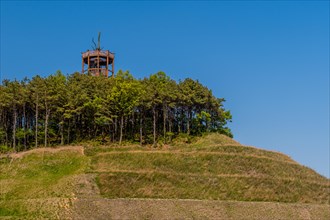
59 109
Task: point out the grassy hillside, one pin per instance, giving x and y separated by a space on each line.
213 171
212 168
39 184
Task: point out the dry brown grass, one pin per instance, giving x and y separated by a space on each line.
195 209
216 139
42 150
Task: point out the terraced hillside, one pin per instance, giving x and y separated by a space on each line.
213 171
215 177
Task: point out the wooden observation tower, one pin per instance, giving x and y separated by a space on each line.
99 62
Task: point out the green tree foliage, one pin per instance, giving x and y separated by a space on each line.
61 109
123 98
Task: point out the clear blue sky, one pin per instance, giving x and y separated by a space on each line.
268 59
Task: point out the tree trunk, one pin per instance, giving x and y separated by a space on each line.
116 132
164 122
141 129
6 131
188 122
181 120
179 125
76 132
62 132
24 126
37 111
110 132
121 129
14 128
154 124
170 117
46 125
124 128
68 141
132 129
207 126
113 132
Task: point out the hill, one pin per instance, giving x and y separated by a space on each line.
212 177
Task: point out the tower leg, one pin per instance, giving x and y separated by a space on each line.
107 71
82 66
88 64
113 68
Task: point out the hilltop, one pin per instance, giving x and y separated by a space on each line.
212 177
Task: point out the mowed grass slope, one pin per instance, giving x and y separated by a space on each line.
214 177
40 183
214 167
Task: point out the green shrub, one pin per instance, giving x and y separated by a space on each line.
5 149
